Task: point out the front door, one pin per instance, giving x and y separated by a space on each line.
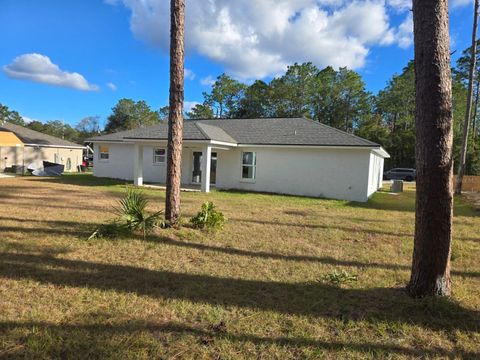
197 168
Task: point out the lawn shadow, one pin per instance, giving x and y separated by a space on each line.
83 230
308 298
94 340
321 226
83 180
327 260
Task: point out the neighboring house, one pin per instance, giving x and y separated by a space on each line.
20 147
279 155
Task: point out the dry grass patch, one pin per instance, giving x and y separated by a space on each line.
257 289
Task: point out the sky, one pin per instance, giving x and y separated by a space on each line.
69 59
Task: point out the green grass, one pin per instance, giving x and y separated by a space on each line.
259 288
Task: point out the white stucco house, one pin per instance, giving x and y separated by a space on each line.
293 156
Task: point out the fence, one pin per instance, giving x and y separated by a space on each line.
471 183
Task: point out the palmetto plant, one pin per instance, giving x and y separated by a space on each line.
132 209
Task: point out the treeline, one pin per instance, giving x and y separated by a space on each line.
335 97
340 99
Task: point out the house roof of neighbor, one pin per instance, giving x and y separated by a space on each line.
32 137
262 131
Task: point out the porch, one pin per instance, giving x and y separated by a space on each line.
199 165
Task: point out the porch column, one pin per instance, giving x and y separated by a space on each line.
206 161
138 165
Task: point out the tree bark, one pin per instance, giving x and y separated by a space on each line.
175 115
468 114
475 111
434 198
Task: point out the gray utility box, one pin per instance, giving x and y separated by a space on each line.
397 186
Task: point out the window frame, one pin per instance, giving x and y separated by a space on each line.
159 163
100 153
253 166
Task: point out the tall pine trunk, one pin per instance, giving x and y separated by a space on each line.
433 221
468 114
474 117
175 115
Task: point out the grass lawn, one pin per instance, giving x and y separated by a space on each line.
257 289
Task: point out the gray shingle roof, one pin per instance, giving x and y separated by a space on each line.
264 131
29 136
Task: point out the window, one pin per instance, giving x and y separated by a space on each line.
159 156
249 164
103 153
68 166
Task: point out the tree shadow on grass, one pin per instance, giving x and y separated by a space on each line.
322 226
328 260
94 340
83 231
310 298
83 180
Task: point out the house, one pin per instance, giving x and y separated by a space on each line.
20 147
293 156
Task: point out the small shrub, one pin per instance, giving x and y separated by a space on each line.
112 230
133 217
341 277
208 218
133 211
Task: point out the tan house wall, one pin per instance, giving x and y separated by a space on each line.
34 154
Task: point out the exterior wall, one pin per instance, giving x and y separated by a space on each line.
10 155
120 163
30 154
375 173
331 173
118 166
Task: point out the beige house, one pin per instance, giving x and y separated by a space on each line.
20 147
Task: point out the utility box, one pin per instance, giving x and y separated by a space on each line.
397 186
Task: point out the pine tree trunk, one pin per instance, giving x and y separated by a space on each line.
175 115
468 114
433 222
475 113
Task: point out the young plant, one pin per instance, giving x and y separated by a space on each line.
341 277
208 218
112 230
132 210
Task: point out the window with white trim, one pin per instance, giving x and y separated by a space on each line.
159 155
103 153
249 164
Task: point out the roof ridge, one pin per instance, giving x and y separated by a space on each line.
338 130
250 118
201 127
197 125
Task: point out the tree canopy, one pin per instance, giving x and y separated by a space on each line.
129 114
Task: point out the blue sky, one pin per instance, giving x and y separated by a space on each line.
91 53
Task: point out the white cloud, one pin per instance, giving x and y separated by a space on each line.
207 81
39 68
254 39
28 120
404 34
189 105
400 5
189 74
460 3
112 86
